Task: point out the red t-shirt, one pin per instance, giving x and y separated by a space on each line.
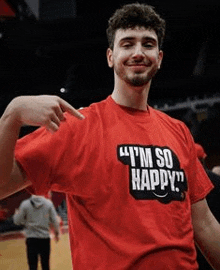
130 177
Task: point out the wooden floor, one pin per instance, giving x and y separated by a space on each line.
13 253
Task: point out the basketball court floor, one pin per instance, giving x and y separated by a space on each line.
13 252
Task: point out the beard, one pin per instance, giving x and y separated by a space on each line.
138 79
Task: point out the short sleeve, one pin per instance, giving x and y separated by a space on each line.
199 183
39 152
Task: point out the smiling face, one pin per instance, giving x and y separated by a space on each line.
135 57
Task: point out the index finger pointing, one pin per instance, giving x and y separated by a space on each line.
66 107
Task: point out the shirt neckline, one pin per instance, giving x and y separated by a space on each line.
135 114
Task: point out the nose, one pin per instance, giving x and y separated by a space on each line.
138 52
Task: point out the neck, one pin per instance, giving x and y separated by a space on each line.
129 96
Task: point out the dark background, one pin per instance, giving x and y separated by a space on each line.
64 45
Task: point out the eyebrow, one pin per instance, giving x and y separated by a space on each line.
146 38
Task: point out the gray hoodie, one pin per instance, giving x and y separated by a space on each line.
36 214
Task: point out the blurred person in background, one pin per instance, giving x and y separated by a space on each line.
37 214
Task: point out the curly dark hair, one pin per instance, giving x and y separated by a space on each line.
132 15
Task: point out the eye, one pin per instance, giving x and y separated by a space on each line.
127 45
148 45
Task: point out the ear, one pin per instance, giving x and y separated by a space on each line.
160 58
109 55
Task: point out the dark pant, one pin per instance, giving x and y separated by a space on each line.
38 247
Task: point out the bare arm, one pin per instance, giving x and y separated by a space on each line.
16 182
26 110
207 233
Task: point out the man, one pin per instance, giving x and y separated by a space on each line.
37 214
135 188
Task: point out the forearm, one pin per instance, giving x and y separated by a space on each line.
207 233
9 132
12 177
208 242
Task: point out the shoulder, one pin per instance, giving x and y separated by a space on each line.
25 203
164 116
171 125
166 119
46 201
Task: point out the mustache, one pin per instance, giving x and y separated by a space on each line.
138 63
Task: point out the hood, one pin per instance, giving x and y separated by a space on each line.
37 201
